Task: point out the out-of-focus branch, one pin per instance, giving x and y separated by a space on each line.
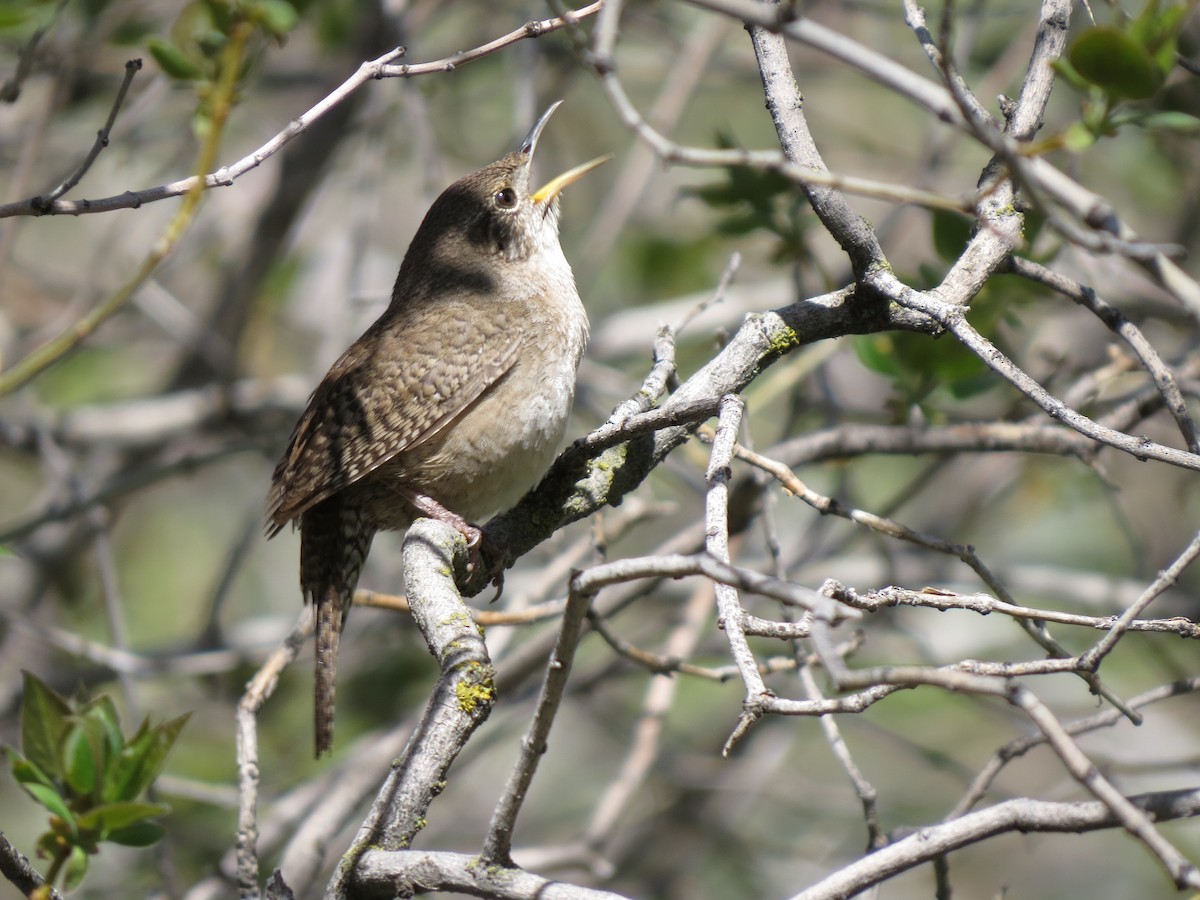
384 875
1120 325
1022 816
131 69
1019 747
221 103
369 71
258 691
20 874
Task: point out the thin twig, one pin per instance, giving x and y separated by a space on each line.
1166 578
258 691
964 552
221 103
224 176
1117 322
132 67
497 845
729 605
954 321
1022 745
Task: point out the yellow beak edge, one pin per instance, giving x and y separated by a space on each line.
554 186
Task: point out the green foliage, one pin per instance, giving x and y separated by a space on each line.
926 372
755 200
76 763
667 265
1114 65
950 232
202 33
25 16
918 367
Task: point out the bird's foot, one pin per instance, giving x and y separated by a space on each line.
484 554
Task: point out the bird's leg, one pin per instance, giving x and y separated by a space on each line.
427 506
476 545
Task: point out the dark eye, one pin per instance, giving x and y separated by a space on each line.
506 198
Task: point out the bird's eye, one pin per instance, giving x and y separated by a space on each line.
506 198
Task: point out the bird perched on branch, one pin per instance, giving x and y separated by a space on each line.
451 405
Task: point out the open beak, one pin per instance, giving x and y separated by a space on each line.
530 143
553 188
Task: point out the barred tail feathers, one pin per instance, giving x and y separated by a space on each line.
328 612
334 540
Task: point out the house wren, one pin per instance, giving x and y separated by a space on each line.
451 405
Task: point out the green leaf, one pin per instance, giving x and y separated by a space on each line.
1167 120
26 772
877 353
141 760
1069 74
79 760
1078 137
1157 31
75 869
971 385
1116 63
43 723
143 834
951 231
173 61
117 816
12 16
52 800
277 17
103 712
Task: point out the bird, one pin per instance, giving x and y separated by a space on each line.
451 405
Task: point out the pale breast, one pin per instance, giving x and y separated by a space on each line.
500 447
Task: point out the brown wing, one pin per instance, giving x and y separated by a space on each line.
396 387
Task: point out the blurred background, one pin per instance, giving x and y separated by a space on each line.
132 472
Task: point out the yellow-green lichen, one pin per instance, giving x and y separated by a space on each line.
458 619
475 688
782 341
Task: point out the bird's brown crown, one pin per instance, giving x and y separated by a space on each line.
484 219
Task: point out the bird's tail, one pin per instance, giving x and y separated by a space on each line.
334 540
328 612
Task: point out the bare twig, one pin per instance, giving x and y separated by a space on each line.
497 846
1019 747
716 520
41 202
386 874
982 604
1168 577
380 67
1116 322
21 874
221 102
953 320
1014 815
258 691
